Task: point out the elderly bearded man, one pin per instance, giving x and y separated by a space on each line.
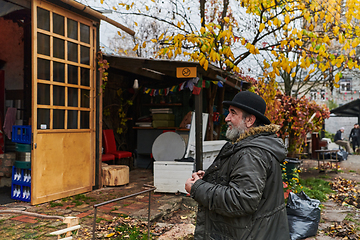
240 196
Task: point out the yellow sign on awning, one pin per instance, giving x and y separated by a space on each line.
186 72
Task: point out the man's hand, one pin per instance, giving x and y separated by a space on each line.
199 173
190 182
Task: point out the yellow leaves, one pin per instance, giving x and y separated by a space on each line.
261 27
299 42
316 18
114 8
144 45
243 41
299 34
273 52
283 43
287 19
226 19
136 47
161 36
202 59
336 30
352 52
292 44
110 235
266 64
202 30
206 64
326 39
102 1
351 64
355 43
293 74
276 22
147 8
307 15
118 32
154 40
337 77
169 54
252 49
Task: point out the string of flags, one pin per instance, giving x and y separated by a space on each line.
194 85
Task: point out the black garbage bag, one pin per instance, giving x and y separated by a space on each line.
303 215
341 155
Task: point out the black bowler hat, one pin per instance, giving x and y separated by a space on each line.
251 103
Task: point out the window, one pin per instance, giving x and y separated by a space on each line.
313 93
322 94
345 85
65 70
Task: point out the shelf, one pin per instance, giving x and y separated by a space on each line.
163 104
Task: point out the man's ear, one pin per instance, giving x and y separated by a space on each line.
250 120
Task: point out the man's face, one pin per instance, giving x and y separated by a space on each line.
342 130
236 123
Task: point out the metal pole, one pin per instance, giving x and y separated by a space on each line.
149 215
94 223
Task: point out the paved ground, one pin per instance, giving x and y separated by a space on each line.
174 211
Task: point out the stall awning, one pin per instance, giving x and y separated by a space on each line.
158 73
351 109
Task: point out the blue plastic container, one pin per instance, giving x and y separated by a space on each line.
21 184
21 134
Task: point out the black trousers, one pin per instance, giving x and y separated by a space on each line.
355 143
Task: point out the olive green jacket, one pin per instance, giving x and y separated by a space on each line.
241 194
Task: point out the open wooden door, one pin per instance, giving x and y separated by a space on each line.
63 103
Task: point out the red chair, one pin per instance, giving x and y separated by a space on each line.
110 146
108 157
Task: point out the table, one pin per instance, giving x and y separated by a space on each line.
323 151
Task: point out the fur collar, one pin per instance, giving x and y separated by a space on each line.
271 128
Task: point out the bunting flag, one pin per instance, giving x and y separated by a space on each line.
196 90
194 85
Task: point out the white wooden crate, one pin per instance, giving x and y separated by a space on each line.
210 151
170 176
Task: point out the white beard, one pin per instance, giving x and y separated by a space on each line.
234 132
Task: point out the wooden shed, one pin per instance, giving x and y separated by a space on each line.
48 74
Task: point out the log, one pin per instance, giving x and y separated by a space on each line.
115 175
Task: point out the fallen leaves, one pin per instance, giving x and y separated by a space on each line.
344 230
346 193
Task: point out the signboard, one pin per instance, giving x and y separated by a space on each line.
186 72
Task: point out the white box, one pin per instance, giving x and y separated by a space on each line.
170 176
210 151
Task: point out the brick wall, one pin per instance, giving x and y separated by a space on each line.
7 161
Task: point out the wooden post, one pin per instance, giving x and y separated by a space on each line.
198 129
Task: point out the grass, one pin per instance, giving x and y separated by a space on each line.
131 233
102 219
352 171
316 188
55 204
